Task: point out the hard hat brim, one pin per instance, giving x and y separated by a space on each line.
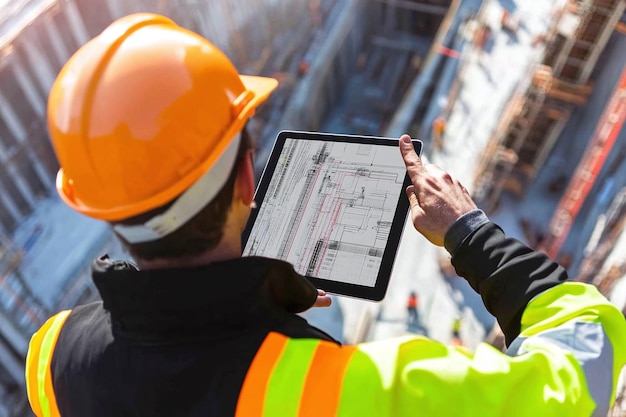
262 87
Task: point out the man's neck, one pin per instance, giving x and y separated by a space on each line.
222 252
229 246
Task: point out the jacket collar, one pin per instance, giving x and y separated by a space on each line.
227 293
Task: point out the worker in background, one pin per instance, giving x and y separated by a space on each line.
439 130
148 122
456 332
411 307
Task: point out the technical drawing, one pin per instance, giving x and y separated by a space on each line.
329 208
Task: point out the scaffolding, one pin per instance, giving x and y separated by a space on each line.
540 109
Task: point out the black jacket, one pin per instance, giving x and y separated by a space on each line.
179 342
174 342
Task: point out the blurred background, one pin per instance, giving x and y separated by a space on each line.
524 101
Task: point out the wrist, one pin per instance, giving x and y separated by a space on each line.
462 228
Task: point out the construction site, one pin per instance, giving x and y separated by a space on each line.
523 101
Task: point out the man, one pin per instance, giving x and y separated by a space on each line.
439 128
412 313
148 124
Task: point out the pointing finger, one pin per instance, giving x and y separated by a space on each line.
413 162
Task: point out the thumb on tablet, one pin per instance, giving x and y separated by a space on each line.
322 300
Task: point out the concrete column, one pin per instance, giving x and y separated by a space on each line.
43 174
60 49
21 184
29 89
38 104
77 26
220 26
40 64
12 335
11 364
8 203
10 118
115 9
19 132
16 342
197 10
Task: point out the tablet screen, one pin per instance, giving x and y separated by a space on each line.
333 206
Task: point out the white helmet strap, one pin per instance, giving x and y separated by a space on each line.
188 204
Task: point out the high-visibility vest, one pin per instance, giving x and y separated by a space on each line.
412 376
565 362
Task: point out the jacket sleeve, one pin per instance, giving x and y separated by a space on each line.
567 345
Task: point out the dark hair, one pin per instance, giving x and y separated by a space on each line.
203 232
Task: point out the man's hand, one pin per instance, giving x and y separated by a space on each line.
437 200
323 300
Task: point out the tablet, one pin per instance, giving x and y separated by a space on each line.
334 207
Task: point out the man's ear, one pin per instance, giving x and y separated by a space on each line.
245 180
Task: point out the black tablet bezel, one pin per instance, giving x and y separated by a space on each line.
378 291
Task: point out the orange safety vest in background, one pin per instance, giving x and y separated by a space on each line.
412 303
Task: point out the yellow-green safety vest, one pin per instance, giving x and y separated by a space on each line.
565 362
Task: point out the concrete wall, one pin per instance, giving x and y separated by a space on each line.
242 28
319 90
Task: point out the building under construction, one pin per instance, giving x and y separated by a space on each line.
541 108
377 67
541 115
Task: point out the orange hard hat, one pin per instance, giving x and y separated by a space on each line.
142 112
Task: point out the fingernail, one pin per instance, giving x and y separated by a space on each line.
406 139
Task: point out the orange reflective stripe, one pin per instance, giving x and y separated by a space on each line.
252 395
294 377
38 360
322 389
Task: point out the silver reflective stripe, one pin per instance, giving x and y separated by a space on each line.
590 345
